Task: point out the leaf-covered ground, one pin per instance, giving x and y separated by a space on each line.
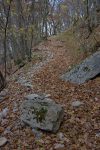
81 126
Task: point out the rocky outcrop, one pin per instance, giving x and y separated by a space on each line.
85 71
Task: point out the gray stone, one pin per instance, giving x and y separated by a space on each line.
2 98
3 113
21 80
98 134
60 136
3 94
8 131
29 85
59 146
24 82
85 71
77 103
3 141
41 113
38 134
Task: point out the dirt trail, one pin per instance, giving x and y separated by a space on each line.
81 125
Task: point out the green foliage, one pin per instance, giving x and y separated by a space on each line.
40 114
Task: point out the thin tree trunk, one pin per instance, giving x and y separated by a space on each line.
5 39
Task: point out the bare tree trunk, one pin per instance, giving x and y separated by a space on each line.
5 38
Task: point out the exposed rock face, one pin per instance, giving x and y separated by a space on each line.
85 71
41 113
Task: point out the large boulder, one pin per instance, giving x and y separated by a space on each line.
85 71
41 112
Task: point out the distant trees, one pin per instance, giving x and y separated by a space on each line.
24 23
91 13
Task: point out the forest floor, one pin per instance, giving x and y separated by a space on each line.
81 126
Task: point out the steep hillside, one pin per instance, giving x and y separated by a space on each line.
80 128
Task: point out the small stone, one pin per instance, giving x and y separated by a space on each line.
59 146
4 113
3 93
38 134
98 134
8 131
60 136
44 114
77 103
28 85
3 141
96 99
21 80
15 110
24 82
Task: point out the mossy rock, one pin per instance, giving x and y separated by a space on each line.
42 113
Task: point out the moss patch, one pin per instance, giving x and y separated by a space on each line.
40 114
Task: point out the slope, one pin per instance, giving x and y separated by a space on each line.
80 128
